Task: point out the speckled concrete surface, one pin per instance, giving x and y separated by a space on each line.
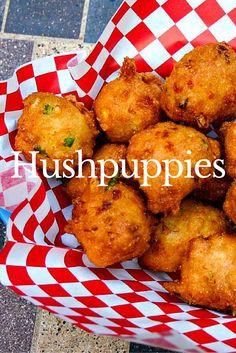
13 53
102 10
55 335
17 323
46 18
42 48
140 348
2 235
2 5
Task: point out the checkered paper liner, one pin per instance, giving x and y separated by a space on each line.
46 266
155 33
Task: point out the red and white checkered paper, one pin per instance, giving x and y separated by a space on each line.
46 266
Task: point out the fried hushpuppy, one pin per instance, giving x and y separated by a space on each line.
230 202
208 274
55 127
111 225
128 104
76 186
228 132
213 190
170 242
201 88
168 141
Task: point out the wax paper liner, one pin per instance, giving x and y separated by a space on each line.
46 266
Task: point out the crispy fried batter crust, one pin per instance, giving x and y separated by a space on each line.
228 131
128 104
111 225
201 88
213 190
230 202
171 240
167 141
208 274
46 122
76 186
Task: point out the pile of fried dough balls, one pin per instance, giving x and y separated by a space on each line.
188 228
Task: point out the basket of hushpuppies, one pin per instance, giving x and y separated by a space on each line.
169 228
174 237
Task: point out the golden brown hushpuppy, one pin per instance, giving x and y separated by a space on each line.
128 104
228 131
111 225
168 141
208 274
201 88
170 242
230 202
76 186
55 127
213 190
